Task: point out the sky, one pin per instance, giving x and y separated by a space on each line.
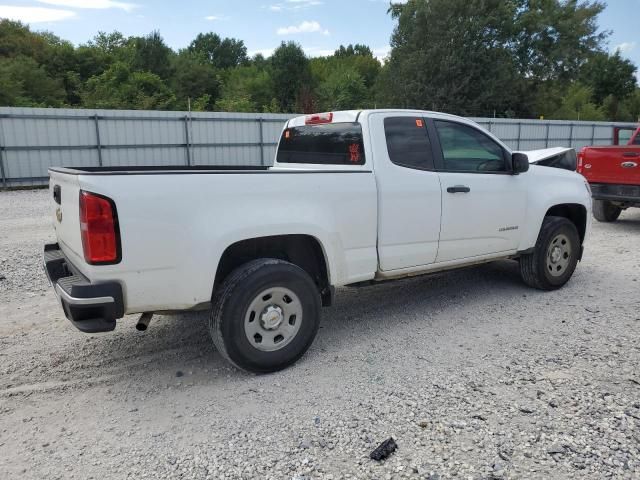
318 25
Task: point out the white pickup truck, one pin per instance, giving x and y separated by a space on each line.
353 197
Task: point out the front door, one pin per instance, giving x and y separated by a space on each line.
483 204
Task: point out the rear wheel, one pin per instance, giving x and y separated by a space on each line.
605 211
555 255
265 315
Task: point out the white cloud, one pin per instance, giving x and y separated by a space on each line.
318 51
625 47
265 52
213 18
304 3
34 14
93 4
304 27
382 53
294 5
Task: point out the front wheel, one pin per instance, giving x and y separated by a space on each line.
605 211
265 315
555 256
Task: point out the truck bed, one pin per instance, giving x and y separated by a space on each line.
164 169
175 223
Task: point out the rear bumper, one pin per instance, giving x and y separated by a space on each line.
616 193
91 307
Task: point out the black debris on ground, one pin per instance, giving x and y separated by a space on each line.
385 449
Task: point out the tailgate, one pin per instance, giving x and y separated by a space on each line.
617 165
64 189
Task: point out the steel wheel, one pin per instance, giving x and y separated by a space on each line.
559 255
273 319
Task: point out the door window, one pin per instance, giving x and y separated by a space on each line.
624 135
467 149
408 142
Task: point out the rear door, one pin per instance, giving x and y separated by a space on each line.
483 204
615 165
409 196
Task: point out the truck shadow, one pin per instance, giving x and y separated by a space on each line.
629 220
178 348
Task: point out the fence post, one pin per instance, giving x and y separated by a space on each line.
490 124
546 141
186 138
571 136
261 123
98 143
4 178
519 134
593 133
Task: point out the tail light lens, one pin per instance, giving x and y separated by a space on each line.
580 161
319 118
99 229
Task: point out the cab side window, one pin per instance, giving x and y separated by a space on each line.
467 149
408 142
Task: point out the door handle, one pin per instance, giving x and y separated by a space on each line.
631 154
459 189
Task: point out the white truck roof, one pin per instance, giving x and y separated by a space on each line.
355 115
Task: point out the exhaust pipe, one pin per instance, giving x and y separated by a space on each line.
143 321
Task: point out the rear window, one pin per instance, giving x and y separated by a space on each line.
330 144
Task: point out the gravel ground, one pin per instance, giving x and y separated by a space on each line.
472 373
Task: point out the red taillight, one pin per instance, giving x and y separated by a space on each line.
318 118
580 160
99 229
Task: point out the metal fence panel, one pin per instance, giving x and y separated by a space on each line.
34 139
228 156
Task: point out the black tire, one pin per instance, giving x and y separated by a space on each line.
231 304
536 268
605 211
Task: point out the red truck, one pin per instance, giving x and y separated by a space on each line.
614 174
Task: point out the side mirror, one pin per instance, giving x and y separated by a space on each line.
520 163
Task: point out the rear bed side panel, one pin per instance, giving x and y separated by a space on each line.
174 228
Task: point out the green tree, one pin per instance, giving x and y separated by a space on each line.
17 39
194 80
252 83
109 43
453 55
221 53
552 39
344 89
151 54
359 57
353 50
632 104
119 87
291 78
577 104
24 83
235 104
609 75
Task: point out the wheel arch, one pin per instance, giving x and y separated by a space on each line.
576 213
302 250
